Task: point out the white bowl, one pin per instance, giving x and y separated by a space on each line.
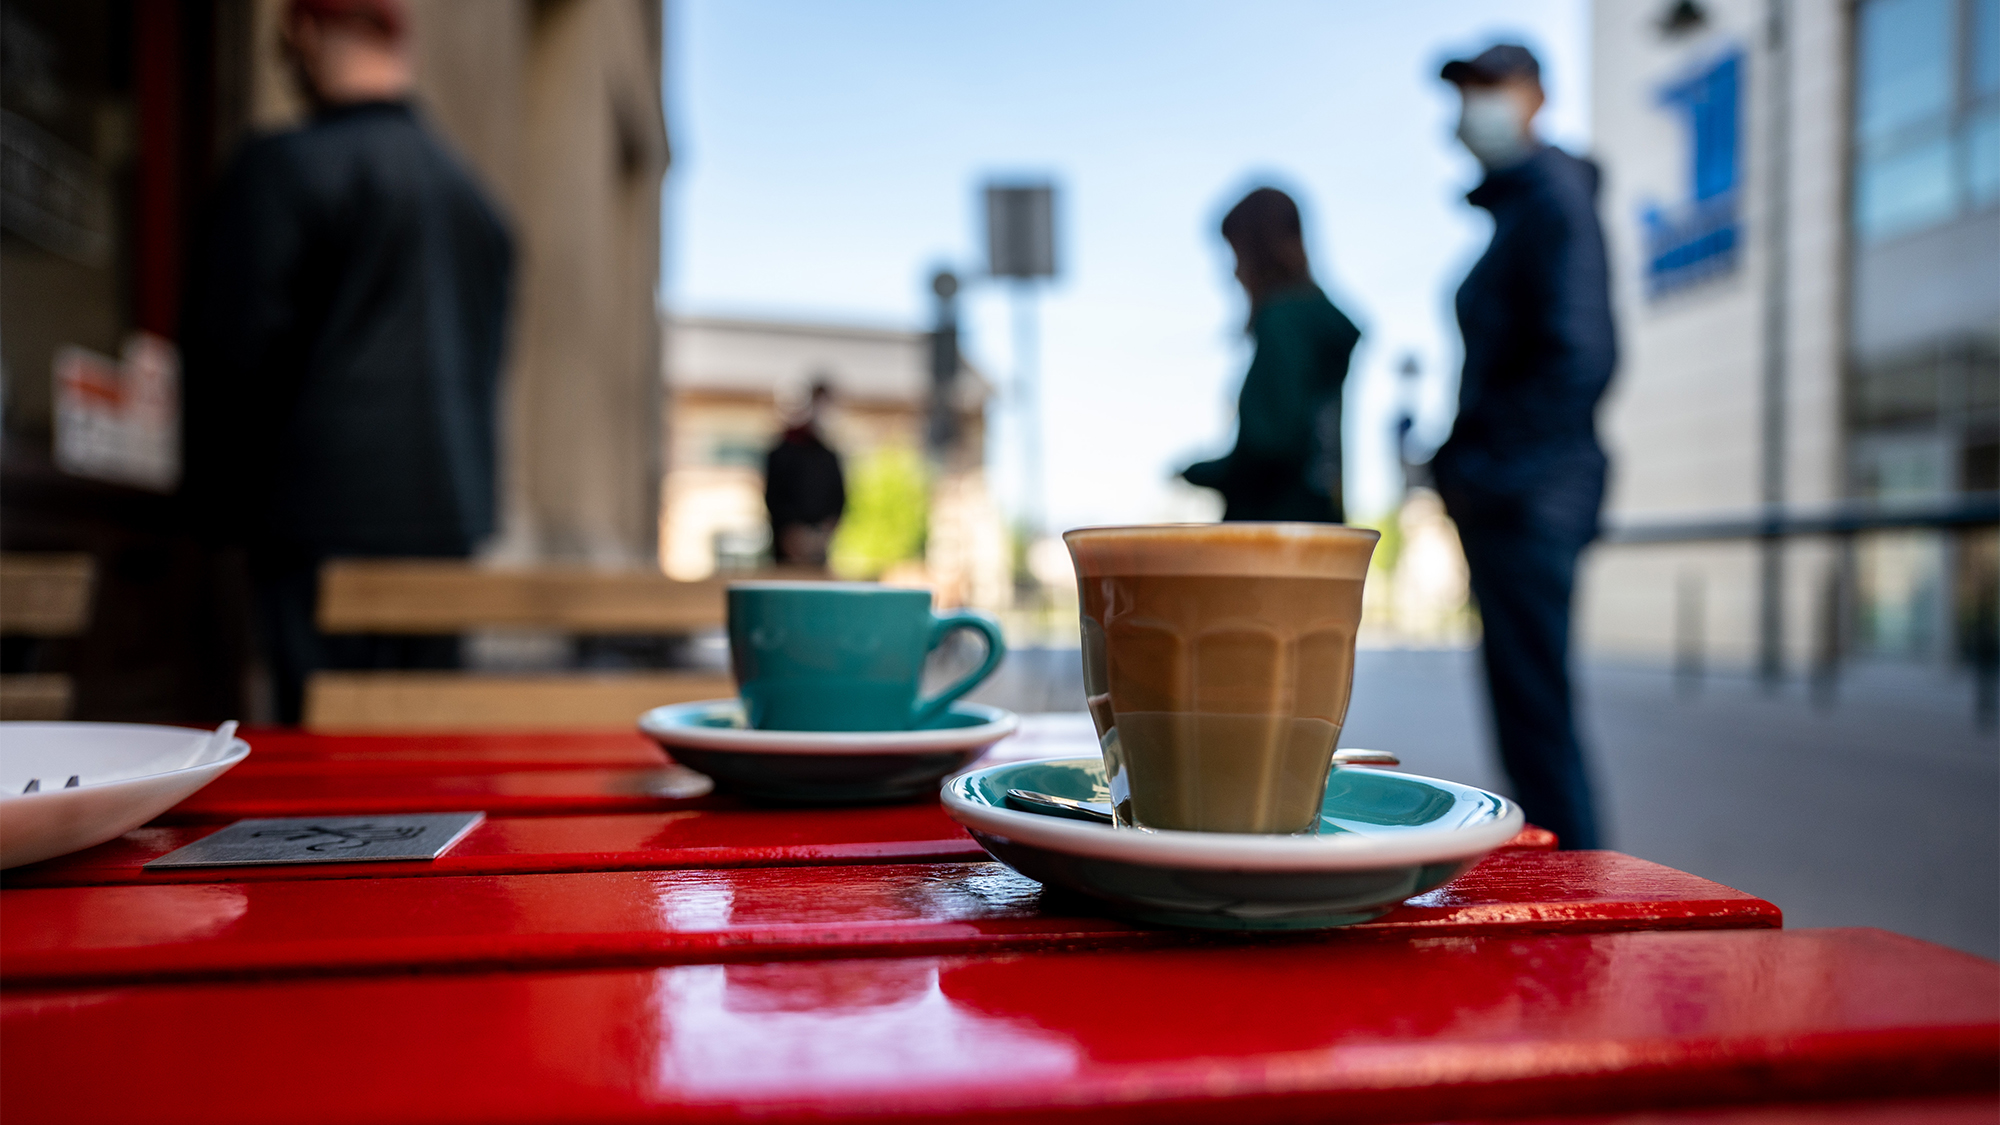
127 774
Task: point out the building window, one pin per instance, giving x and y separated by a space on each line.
1926 113
737 453
1982 134
1699 239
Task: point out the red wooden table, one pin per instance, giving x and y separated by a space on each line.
598 951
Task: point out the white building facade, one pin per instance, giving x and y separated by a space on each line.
1802 202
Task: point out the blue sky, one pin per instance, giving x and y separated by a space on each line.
829 155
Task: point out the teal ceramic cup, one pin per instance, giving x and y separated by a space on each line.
844 655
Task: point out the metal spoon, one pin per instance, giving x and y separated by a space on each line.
1048 804
1099 812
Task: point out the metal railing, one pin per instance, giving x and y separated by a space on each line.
1842 522
1965 509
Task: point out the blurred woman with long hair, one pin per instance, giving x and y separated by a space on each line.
1286 464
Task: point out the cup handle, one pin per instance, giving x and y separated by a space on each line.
942 626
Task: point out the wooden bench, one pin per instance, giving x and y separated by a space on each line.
425 596
42 597
445 597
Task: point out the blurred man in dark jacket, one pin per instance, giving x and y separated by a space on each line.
804 489
343 340
1522 473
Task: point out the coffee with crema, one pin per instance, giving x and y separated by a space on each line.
1218 659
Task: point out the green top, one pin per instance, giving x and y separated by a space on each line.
1286 464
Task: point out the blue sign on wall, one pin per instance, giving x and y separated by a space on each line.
1698 239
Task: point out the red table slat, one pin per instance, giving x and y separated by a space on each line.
1975 1110
567 776
1403 1030
292 773
539 748
295 773
720 836
721 833
264 768
660 917
536 792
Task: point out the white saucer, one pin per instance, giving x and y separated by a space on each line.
717 724
824 767
1383 837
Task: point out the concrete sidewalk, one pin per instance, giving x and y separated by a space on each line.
1881 809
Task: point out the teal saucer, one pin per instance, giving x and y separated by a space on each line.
803 767
1383 837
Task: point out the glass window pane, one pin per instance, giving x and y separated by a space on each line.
1904 192
1985 47
1982 158
1901 590
1715 126
1906 64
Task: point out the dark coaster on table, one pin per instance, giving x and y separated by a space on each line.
325 839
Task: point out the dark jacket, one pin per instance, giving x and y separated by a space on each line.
1286 464
1536 316
343 342
803 483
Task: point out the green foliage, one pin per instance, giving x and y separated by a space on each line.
888 514
1019 538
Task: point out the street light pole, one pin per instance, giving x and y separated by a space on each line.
1777 328
942 434
1021 248
1028 407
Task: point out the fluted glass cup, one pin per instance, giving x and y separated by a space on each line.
1218 659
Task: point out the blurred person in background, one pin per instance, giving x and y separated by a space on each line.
1286 464
1522 473
804 489
344 331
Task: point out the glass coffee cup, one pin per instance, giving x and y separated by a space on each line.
1218 660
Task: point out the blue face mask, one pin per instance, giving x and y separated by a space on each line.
1491 128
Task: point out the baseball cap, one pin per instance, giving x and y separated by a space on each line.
1495 64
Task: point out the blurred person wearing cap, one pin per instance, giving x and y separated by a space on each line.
343 336
1522 473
